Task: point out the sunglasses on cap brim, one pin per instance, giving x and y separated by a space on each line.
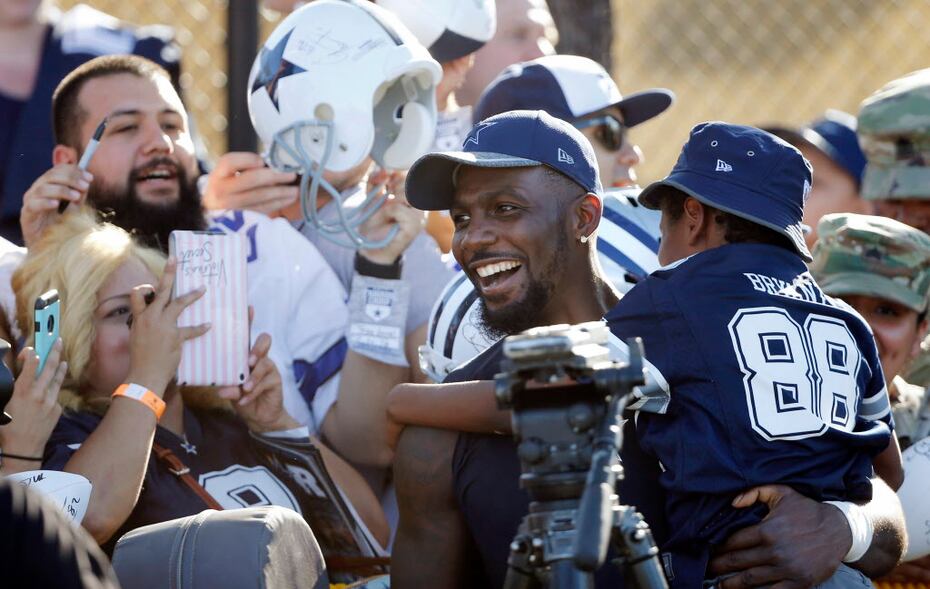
610 131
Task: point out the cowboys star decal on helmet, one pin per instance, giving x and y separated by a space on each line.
273 67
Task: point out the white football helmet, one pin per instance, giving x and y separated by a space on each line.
627 246
448 28
338 81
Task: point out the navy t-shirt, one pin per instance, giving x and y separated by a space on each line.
218 451
486 482
771 382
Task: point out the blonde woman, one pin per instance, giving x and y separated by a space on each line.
112 337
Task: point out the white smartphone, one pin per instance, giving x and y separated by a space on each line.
216 261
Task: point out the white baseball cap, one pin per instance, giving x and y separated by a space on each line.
448 28
568 87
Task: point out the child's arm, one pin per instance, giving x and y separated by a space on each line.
888 466
462 406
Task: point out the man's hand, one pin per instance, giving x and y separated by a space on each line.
800 543
241 180
915 571
394 211
64 182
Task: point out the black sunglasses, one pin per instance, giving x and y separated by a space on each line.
610 132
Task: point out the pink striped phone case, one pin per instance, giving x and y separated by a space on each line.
218 262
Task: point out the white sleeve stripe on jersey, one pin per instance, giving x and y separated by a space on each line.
876 404
876 416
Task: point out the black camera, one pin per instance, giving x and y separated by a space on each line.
568 398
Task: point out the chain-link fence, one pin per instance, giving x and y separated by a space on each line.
760 61
746 61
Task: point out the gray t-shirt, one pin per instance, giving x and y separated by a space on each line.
424 267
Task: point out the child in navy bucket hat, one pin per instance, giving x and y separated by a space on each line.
771 381
746 172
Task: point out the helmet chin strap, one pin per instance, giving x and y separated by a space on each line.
345 230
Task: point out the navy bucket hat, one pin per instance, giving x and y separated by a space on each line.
743 171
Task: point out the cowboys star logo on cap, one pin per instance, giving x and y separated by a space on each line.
520 139
475 136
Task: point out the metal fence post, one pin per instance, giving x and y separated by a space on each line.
241 45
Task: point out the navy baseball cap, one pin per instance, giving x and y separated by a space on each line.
835 135
568 87
521 138
743 171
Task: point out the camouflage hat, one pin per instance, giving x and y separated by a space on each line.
894 132
872 256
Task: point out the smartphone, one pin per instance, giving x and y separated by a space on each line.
216 261
47 317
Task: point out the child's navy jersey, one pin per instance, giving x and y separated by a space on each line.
771 382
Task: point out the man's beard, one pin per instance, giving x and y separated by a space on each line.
525 313
150 223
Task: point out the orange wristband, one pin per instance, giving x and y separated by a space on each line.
144 396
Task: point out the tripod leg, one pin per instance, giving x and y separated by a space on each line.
517 579
521 574
565 575
639 557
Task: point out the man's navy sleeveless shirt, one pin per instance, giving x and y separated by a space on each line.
771 382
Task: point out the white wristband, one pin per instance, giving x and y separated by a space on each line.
289 434
859 525
378 318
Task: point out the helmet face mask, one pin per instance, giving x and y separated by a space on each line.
336 82
287 153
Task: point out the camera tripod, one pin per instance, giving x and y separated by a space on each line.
569 438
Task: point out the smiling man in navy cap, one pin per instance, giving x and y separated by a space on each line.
520 173
775 381
524 194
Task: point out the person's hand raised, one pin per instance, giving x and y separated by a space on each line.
241 180
394 212
34 407
155 339
260 399
63 183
